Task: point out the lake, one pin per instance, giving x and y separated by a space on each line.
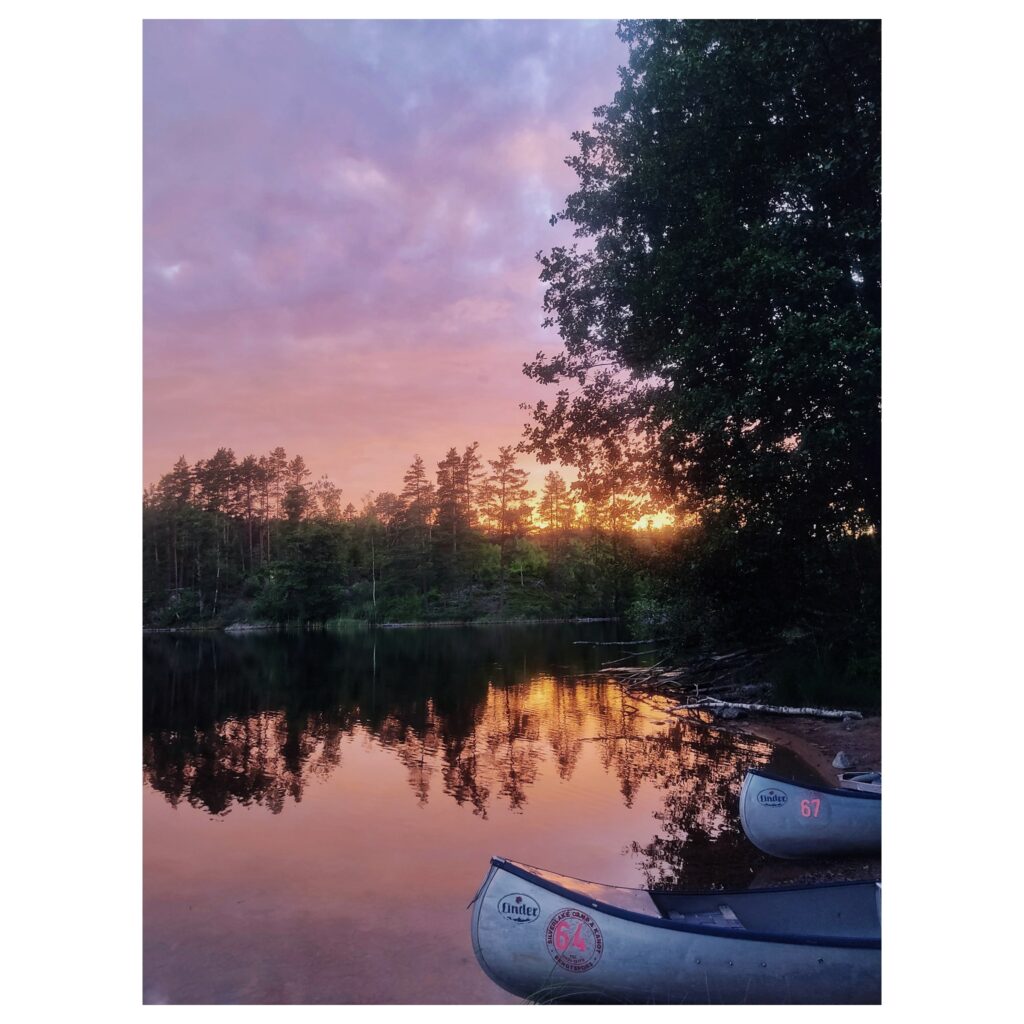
320 807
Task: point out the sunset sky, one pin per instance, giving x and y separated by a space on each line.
341 221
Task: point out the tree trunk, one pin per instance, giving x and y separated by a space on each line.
216 584
373 574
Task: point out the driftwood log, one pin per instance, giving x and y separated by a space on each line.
620 643
712 703
691 684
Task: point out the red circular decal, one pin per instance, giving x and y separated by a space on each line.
574 940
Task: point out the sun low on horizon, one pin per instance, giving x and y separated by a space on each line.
341 223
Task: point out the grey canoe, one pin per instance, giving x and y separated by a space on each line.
552 938
791 819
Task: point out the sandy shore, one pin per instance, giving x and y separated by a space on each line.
818 740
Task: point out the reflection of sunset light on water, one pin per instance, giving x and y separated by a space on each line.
520 738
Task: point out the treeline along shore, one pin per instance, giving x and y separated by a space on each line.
230 541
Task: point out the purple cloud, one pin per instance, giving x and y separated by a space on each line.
340 227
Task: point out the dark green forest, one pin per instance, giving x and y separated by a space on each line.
255 539
719 340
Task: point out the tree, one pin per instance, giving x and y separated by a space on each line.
457 483
325 497
613 494
722 331
448 502
505 498
556 508
470 472
272 471
389 510
295 502
727 317
296 472
174 494
177 486
277 468
217 479
419 499
248 490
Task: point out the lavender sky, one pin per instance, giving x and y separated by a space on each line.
341 221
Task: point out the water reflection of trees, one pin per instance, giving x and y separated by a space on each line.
253 720
699 770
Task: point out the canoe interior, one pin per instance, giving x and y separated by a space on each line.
871 793
865 782
847 911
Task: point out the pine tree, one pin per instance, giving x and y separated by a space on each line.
419 498
175 491
470 474
505 498
277 466
556 508
248 491
296 499
449 506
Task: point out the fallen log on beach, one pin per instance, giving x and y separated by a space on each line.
714 704
619 643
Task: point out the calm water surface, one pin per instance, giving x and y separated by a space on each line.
319 808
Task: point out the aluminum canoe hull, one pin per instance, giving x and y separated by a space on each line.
791 820
550 938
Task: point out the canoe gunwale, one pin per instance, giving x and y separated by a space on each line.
856 794
745 935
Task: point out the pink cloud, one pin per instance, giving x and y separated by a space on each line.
340 228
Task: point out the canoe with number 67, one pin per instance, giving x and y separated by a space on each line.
551 938
793 819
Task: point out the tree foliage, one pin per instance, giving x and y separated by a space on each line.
720 309
726 317
505 497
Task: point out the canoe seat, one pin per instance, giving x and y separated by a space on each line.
723 917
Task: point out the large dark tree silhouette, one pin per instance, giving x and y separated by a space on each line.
721 320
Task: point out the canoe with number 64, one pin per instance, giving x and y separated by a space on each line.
551 938
792 819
